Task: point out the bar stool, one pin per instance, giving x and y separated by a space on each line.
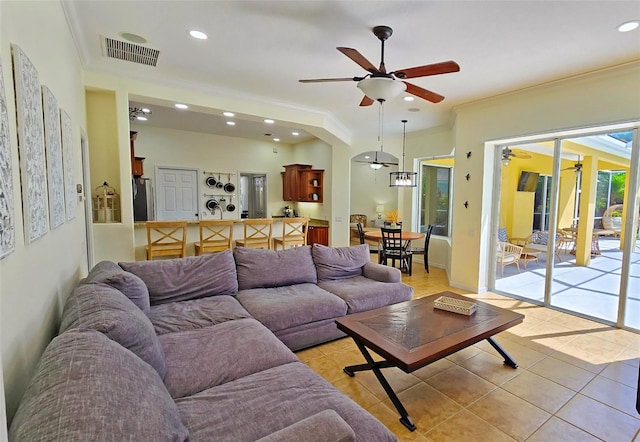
215 236
166 238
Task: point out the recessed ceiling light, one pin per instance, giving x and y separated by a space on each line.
408 98
146 110
231 123
628 26
295 134
181 106
141 118
413 109
133 38
276 139
268 121
228 114
199 35
366 157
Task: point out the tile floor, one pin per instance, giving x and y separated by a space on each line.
576 380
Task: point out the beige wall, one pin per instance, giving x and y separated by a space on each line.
603 97
36 278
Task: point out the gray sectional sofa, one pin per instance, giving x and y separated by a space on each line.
200 349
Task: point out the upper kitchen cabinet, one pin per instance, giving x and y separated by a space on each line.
300 182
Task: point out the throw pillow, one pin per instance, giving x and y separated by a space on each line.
181 279
260 268
340 262
102 308
541 238
502 234
87 387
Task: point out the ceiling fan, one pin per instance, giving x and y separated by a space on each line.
376 163
508 153
577 168
380 82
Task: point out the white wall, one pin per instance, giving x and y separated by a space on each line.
36 278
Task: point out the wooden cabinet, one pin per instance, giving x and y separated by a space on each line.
318 235
137 167
300 182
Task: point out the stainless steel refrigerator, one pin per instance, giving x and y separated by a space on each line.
142 199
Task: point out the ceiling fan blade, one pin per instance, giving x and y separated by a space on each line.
327 80
445 67
359 59
423 93
366 101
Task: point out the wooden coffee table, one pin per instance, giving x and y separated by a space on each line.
412 334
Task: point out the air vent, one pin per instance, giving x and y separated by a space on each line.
130 52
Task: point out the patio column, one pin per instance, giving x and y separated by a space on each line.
587 210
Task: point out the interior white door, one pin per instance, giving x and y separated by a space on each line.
176 193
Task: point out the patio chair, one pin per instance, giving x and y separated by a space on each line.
539 241
508 254
611 222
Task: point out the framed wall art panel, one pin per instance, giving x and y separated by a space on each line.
7 220
53 148
33 174
67 158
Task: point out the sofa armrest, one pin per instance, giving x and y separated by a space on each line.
382 273
326 426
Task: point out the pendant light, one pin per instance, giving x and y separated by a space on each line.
403 178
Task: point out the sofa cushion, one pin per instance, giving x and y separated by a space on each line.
129 284
321 427
195 313
340 262
267 268
192 277
89 388
270 400
201 359
362 294
284 307
100 307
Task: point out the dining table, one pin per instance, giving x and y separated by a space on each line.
595 239
407 236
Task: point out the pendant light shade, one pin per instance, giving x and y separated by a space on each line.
381 88
403 178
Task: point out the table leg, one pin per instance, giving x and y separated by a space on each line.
375 367
508 360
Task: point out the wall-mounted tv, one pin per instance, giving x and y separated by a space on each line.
528 181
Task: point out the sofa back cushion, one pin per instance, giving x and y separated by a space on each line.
86 387
181 279
340 262
100 307
260 268
129 284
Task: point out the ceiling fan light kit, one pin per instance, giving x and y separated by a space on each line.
379 84
403 178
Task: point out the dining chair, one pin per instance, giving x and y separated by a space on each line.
394 248
215 235
257 233
166 238
425 249
294 233
372 249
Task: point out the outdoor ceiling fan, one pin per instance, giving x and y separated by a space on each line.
508 154
577 168
380 84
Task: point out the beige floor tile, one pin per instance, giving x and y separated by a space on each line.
490 368
558 430
309 353
599 419
594 352
391 419
523 355
464 354
326 368
356 391
344 358
426 406
398 379
433 369
550 335
460 385
612 393
466 426
529 343
562 373
510 414
540 391
578 324
617 336
624 373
